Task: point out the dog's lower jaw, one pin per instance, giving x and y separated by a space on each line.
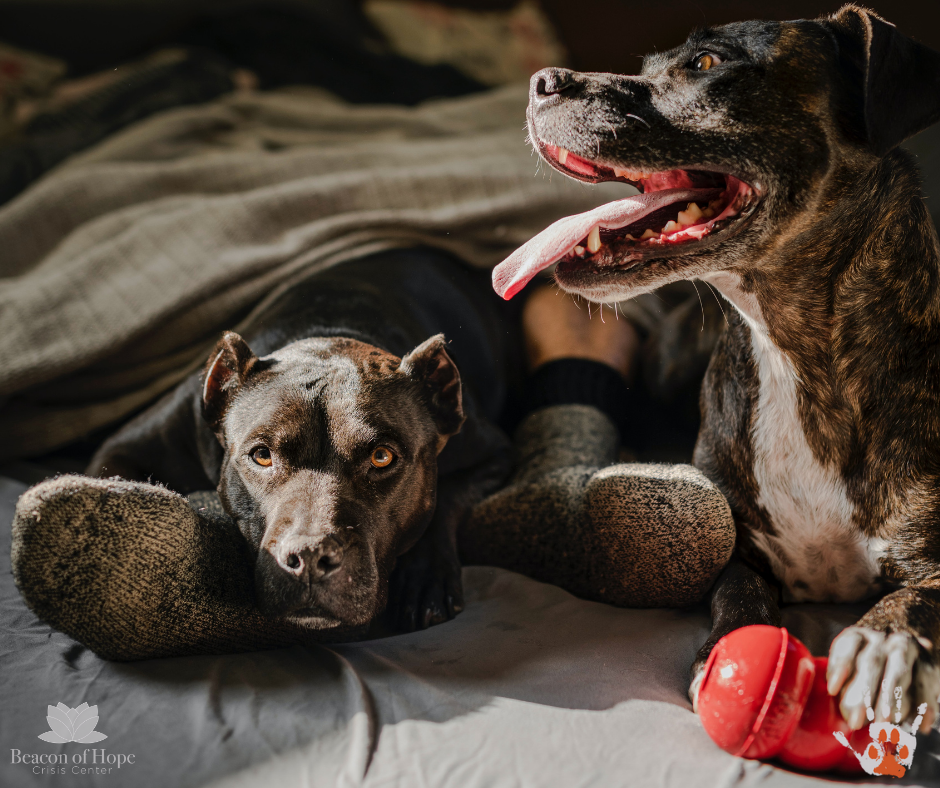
604 293
358 614
315 623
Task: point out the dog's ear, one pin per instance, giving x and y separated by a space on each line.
897 80
435 370
226 370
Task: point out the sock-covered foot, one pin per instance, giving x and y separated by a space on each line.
633 535
659 535
133 571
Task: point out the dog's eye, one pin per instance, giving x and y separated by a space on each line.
382 457
705 61
262 456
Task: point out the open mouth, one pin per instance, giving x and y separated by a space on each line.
677 212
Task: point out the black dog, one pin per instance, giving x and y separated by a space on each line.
766 157
327 436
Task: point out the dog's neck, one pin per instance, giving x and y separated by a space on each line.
847 310
868 261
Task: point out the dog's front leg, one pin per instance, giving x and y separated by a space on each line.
741 597
888 662
426 587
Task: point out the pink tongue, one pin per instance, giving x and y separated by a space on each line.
554 242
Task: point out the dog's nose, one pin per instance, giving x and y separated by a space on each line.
550 82
316 562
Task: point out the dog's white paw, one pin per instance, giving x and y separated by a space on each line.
695 686
891 670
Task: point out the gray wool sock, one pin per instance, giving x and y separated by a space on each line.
133 571
633 535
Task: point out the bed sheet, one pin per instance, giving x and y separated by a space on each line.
529 686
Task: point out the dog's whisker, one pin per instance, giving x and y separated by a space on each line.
718 299
700 304
637 117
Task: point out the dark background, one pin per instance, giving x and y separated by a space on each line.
600 35
613 36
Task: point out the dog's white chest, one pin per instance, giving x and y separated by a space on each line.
818 553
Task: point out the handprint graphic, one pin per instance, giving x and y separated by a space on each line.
69 724
891 751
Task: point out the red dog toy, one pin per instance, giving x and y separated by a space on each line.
764 696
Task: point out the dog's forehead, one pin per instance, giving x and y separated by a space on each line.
322 356
341 384
756 41
336 375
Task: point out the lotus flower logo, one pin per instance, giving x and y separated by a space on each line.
72 724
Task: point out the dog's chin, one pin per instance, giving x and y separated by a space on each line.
320 620
347 613
315 621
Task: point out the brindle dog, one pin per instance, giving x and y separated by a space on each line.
766 154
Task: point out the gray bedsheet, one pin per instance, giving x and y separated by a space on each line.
529 686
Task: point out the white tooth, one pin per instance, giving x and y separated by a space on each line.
671 227
594 239
579 250
562 155
690 215
649 234
630 175
630 237
708 213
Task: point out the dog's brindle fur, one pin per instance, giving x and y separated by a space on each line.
821 406
331 374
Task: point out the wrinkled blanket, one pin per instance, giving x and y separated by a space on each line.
119 268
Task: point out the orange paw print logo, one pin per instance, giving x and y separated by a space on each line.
891 751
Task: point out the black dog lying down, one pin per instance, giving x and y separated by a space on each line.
766 157
331 433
